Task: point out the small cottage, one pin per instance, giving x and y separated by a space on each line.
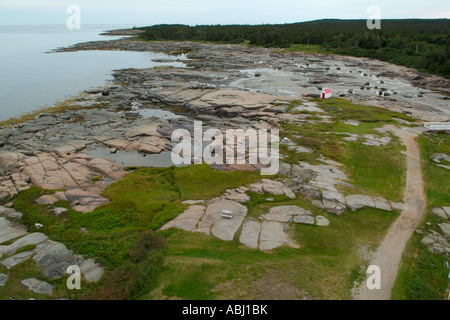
326 94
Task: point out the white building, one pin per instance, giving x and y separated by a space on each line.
326 93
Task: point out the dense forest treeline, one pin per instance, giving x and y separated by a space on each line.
423 44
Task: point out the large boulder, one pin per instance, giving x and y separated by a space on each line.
333 196
334 207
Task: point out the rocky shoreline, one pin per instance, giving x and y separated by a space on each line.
272 71
224 86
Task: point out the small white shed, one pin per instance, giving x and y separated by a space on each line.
326 93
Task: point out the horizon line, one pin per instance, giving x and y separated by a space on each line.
219 24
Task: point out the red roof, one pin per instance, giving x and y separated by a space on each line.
327 90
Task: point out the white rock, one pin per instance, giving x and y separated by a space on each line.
439 212
358 201
445 227
333 196
193 202
397 205
285 213
447 211
304 219
92 270
322 221
381 203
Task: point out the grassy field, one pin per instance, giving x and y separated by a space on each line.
203 267
374 170
422 274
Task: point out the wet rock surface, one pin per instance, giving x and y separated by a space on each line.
295 73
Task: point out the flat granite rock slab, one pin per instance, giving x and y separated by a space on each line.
188 220
54 258
16 259
38 286
213 222
273 235
358 201
284 212
250 234
32 238
8 231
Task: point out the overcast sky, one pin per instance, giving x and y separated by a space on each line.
149 12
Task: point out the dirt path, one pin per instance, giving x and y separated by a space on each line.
391 249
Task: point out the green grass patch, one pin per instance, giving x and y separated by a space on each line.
422 275
29 247
342 109
292 104
378 170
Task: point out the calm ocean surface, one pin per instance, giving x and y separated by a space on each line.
31 78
